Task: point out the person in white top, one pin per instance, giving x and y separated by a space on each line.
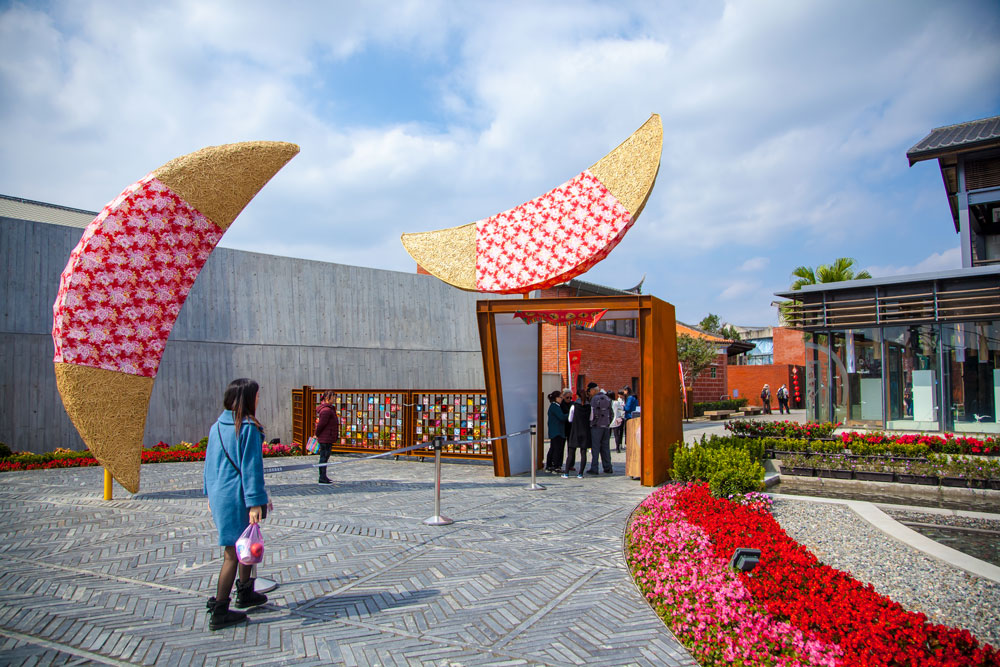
618 424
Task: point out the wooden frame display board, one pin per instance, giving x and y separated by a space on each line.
374 420
659 387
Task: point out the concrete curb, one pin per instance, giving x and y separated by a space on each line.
911 538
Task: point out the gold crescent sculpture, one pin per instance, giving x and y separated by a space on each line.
554 237
125 284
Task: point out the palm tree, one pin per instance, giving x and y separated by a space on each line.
840 270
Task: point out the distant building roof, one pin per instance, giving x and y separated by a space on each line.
36 211
973 135
593 289
733 347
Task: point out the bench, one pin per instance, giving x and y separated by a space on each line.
752 410
716 415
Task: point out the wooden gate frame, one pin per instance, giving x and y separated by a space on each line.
659 381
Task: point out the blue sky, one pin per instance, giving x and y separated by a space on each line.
785 123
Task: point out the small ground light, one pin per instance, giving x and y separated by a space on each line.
744 559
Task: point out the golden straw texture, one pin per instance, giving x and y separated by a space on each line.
220 181
449 254
629 171
108 409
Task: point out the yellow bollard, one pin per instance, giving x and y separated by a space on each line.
107 484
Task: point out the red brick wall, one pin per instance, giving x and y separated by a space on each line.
706 388
749 380
789 347
610 361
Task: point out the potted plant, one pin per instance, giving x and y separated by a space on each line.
917 472
834 467
874 470
797 464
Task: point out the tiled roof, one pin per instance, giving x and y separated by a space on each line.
944 140
26 209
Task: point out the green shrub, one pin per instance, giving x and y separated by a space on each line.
730 465
728 404
4 450
736 473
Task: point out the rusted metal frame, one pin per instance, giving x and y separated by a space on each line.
486 321
654 372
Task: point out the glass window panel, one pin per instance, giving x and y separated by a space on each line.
972 358
913 377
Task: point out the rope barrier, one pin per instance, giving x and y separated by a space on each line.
268 470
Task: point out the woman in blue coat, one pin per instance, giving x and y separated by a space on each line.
234 484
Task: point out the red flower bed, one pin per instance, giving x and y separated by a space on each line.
949 443
824 602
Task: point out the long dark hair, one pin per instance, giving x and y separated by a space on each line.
241 398
554 395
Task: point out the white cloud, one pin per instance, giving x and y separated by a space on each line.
785 125
754 264
938 261
740 289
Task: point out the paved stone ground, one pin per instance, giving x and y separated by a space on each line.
522 577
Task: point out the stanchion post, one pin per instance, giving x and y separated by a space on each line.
107 484
437 519
534 486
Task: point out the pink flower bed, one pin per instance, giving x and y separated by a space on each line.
705 603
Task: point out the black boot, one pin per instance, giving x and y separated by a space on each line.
246 596
222 617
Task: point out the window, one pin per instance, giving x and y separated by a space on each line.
713 371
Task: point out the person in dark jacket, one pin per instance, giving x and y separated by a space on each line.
579 436
601 416
327 431
234 483
557 432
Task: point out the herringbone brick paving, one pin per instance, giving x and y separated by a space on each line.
521 578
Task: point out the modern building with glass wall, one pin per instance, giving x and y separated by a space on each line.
918 352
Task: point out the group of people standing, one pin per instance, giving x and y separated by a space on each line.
586 424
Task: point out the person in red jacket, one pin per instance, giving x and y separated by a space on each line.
327 431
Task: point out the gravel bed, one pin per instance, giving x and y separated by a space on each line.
842 539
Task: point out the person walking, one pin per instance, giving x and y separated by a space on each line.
618 423
233 480
765 399
327 431
783 400
600 428
557 432
579 436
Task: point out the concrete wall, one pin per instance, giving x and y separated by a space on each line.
285 322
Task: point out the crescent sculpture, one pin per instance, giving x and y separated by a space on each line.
125 284
554 237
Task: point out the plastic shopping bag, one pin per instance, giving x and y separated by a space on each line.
250 545
312 445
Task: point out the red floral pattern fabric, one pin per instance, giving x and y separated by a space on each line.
127 279
549 239
586 316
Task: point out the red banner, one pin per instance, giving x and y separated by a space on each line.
574 356
586 316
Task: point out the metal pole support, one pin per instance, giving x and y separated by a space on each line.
534 486
437 519
107 484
